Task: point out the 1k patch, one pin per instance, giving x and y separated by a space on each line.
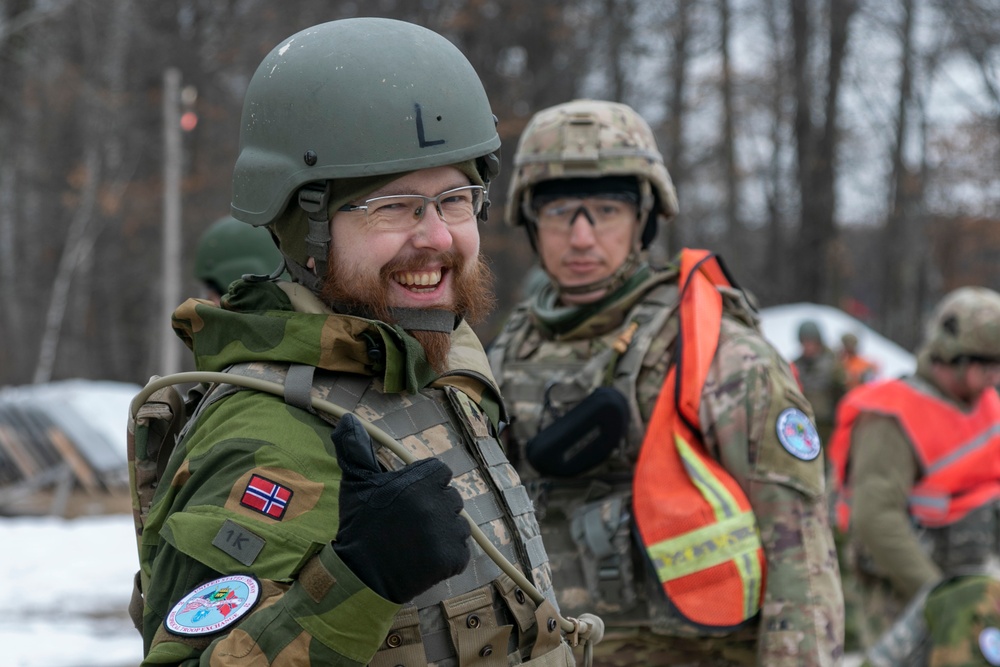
266 496
239 542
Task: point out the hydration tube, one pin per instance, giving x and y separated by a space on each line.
589 627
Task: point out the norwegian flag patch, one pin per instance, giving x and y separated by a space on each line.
267 497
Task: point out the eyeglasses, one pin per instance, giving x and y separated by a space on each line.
399 212
603 213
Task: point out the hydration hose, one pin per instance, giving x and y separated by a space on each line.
589 627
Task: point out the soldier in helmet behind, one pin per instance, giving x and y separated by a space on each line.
229 250
281 535
674 464
820 375
917 463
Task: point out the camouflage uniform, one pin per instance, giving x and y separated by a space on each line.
801 622
551 357
896 559
822 379
417 112
312 604
955 623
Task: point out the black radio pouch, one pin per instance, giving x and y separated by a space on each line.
582 438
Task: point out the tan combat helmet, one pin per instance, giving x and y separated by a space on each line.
965 325
591 139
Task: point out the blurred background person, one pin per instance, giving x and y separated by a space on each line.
819 376
917 461
230 249
856 368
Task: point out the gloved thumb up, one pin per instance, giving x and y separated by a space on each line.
400 531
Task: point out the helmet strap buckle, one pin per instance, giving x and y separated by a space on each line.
314 199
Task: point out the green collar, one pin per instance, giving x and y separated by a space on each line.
592 319
259 322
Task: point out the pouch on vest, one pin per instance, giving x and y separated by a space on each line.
152 435
601 531
582 438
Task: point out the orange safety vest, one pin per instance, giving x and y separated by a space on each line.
695 521
958 452
857 370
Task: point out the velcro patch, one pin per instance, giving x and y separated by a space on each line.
213 606
266 496
238 542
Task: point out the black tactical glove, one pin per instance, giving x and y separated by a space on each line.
400 531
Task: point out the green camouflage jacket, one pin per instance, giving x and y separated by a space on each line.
312 609
952 623
801 621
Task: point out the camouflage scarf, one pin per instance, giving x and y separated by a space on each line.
591 319
257 322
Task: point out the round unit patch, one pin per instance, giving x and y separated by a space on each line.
989 644
797 434
213 606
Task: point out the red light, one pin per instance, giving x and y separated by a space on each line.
189 120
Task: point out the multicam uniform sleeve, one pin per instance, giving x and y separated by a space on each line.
312 610
748 388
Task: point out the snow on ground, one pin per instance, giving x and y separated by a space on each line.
66 587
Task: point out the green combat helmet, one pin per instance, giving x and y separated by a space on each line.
228 250
809 330
315 114
966 324
592 139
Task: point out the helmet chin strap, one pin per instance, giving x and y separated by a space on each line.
410 319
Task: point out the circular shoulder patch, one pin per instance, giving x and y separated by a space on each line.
989 644
213 606
797 434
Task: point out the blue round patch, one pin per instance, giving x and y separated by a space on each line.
797 434
213 606
989 644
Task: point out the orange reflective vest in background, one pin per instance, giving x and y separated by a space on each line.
958 452
694 520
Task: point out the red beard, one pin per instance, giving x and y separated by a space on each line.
369 294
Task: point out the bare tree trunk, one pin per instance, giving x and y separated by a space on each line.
675 151
78 246
9 264
170 269
619 14
899 310
974 22
817 150
808 248
741 261
776 265
826 173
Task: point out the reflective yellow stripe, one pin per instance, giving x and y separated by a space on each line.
703 548
734 537
717 495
